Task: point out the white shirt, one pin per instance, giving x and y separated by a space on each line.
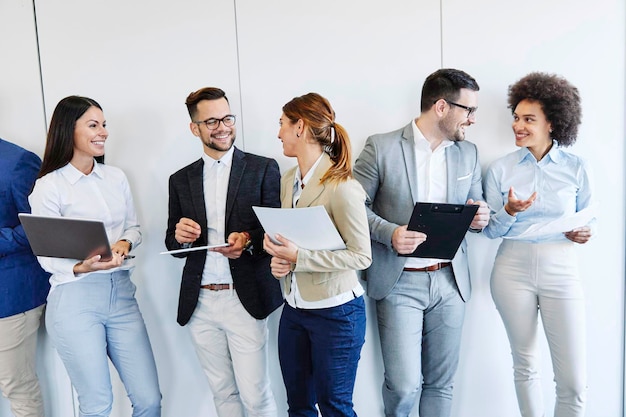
432 181
215 176
104 194
294 298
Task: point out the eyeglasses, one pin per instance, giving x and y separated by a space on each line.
470 110
213 123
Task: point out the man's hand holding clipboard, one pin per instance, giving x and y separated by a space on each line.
441 227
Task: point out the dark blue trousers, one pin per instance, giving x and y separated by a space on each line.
319 351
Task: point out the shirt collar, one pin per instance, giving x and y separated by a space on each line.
226 159
554 154
422 143
73 174
302 182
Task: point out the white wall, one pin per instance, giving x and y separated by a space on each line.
140 59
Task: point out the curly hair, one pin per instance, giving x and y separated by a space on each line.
559 100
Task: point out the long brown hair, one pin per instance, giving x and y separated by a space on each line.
319 119
60 140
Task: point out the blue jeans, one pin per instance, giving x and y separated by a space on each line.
319 350
96 318
420 324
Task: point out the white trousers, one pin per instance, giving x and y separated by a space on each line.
232 348
532 278
18 348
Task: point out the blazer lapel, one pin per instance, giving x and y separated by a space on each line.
408 150
452 163
314 188
196 185
236 173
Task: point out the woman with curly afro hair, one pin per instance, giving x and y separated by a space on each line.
536 273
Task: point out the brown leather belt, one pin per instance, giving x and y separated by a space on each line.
217 287
430 268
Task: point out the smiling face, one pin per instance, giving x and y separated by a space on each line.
455 122
288 136
89 136
219 141
531 128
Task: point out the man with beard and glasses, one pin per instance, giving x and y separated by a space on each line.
420 303
227 292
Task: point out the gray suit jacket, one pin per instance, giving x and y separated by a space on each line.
387 171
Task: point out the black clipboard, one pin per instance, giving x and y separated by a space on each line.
66 237
445 226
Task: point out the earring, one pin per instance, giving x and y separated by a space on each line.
297 135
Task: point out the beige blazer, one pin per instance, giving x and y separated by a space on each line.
323 274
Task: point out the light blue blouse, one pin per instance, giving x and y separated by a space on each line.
561 180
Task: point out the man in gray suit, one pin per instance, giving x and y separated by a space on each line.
420 303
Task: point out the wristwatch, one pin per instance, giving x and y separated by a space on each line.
248 243
130 244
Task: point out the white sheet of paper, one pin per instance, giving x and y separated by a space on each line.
560 225
307 227
170 252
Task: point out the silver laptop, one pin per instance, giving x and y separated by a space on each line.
66 237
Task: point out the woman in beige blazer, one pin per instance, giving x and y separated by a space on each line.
322 327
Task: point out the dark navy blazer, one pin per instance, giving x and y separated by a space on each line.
253 181
23 284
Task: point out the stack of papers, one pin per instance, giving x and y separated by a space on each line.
308 227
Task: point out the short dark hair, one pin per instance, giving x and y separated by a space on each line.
206 93
445 83
559 100
60 140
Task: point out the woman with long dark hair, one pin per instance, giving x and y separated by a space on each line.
92 314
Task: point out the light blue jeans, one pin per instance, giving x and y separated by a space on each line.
94 319
420 324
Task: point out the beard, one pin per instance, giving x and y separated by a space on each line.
450 129
219 146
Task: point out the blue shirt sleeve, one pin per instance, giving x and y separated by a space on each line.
20 179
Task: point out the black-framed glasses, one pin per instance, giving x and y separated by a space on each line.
213 123
470 110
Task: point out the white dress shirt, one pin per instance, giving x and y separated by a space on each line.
104 194
432 181
216 174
